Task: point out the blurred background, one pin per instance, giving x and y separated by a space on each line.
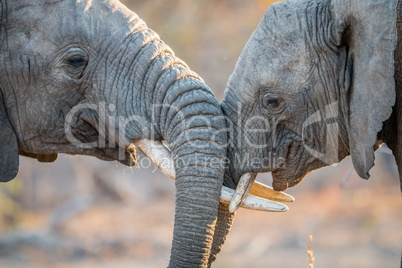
82 212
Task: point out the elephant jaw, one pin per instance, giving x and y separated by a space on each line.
249 194
283 179
280 185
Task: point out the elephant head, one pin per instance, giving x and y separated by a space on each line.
313 85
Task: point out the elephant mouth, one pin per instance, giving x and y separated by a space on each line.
280 184
129 157
283 181
90 139
83 132
297 166
282 177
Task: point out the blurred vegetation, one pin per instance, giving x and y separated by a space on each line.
82 212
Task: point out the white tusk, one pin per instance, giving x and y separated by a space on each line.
253 202
266 192
161 157
242 189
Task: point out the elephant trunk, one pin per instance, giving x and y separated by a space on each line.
164 101
222 229
191 123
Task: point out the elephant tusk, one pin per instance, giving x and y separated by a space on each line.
160 156
266 192
253 202
242 189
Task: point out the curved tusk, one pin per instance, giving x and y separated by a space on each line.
266 192
160 156
253 202
242 189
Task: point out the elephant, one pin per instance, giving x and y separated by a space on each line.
317 81
87 77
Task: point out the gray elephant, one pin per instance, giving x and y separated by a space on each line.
89 77
317 81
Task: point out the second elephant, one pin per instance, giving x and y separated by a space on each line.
316 82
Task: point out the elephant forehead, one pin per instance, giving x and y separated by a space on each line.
285 67
277 55
71 20
281 38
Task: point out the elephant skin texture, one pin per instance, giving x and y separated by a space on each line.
316 82
90 78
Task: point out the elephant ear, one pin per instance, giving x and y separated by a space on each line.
367 27
9 158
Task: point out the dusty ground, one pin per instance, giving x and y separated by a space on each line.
358 225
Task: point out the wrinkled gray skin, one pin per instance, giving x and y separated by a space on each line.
58 54
321 75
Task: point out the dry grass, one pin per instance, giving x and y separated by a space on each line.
310 253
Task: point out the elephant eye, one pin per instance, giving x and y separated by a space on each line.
75 65
273 103
76 61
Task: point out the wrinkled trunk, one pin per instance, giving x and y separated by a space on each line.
188 125
172 104
222 229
